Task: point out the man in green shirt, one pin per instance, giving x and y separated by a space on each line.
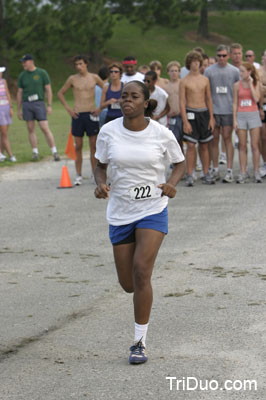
33 84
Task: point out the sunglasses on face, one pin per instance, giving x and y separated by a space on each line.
114 72
221 55
248 55
147 80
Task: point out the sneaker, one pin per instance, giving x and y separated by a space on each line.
262 171
78 181
198 167
257 178
137 354
2 157
35 156
190 180
194 175
228 178
216 175
208 179
13 159
56 157
222 159
242 178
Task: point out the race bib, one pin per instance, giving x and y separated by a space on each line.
172 121
221 89
4 102
33 97
94 118
264 107
190 115
246 103
145 192
115 106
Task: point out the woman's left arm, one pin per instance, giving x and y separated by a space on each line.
168 188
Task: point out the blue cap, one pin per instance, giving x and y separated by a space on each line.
26 57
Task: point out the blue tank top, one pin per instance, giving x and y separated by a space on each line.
114 110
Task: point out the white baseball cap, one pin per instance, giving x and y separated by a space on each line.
2 69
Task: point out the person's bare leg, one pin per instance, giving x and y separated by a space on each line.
78 147
190 157
214 146
47 132
32 134
254 139
242 149
5 145
92 143
205 159
227 136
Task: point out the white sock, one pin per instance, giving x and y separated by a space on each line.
216 169
35 150
229 170
141 333
53 150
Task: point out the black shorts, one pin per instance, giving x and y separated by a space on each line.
199 121
84 123
264 110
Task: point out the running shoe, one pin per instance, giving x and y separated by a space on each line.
228 178
262 171
78 181
208 179
137 353
35 156
222 159
194 175
242 178
13 159
257 178
190 180
56 157
216 175
2 157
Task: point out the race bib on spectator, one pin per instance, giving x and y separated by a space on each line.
190 116
33 97
94 118
246 103
172 121
221 89
115 106
145 192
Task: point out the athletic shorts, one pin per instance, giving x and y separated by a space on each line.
85 123
34 110
199 121
176 126
248 120
264 109
5 118
124 234
223 119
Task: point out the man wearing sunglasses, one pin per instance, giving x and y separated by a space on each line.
250 57
222 77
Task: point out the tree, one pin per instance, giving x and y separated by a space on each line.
203 29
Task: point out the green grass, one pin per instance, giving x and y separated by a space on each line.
165 44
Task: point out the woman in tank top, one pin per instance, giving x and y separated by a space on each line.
111 94
247 118
6 113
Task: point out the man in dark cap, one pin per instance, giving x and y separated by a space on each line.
33 84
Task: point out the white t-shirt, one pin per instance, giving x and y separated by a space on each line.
138 76
136 159
161 96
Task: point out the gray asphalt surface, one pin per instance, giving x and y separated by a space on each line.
66 325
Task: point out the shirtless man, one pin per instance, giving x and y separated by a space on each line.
197 115
172 88
262 75
157 67
85 115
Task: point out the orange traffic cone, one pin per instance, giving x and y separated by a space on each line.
70 150
65 179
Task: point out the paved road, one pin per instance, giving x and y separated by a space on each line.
66 326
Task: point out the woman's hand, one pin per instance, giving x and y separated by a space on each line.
167 190
102 191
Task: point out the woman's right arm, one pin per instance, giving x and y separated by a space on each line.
100 174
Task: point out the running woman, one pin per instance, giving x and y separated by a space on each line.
246 117
6 114
136 149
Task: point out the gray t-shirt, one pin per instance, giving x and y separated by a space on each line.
222 81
